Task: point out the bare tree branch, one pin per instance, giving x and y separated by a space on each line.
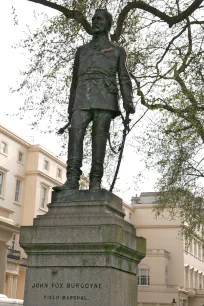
70 14
185 14
186 57
148 8
151 106
170 43
135 123
178 6
80 18
186 114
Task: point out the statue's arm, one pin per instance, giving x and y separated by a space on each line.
74 82
125 82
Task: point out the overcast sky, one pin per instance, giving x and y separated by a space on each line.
12 61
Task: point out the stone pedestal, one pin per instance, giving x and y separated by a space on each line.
82 252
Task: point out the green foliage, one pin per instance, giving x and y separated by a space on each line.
15 19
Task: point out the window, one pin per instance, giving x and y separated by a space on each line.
20 157
196 279
191 278
43 197
203 281
1 183
202 252
143 277
46 165
187 277
4 147
59 173
18 190
130 215
199 250
200 280
191 246
195 248
166 276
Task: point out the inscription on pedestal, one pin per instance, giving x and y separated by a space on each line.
67 285
40 286
64 287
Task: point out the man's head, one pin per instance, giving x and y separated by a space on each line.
101 21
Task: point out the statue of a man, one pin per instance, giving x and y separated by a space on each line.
94 97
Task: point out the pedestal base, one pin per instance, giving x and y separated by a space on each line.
82 252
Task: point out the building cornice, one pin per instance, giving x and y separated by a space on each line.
142 206
157 253
9 227
128 206
40 149
159 288
20 177
31 147
44 175
15 137
4 169
158 226
6 210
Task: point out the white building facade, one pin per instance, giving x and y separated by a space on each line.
170 272
27 174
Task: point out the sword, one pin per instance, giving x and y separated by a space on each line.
61 130
126 122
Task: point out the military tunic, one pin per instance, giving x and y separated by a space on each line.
94 84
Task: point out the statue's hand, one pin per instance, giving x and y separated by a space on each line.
129 107
60 132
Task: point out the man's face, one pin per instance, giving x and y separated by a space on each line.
99 23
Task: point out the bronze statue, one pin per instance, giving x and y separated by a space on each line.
94 97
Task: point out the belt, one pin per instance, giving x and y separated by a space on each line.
90 77
96 76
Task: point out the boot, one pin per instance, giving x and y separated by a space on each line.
98 155
74 162
73 174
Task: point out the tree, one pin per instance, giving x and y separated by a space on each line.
164 42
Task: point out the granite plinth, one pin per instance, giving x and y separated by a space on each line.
82 252
84 196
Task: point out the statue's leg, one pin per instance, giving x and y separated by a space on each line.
79 122
100 132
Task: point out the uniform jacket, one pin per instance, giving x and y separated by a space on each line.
94 83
